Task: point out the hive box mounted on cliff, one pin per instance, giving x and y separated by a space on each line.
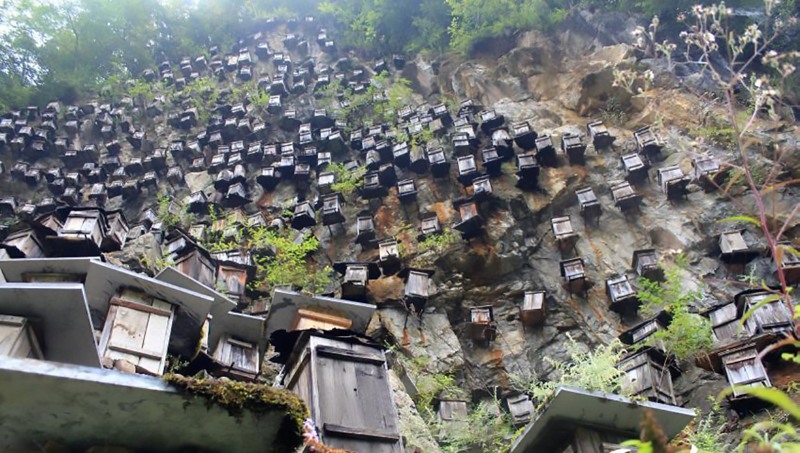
673 182
787 260
566 237
622 295
533 310
734 247
708 173
574 275
344 379
574 148
646 376
294 311
591 209
601 138
471 224
648 144
576 420
355 277
521 409
625 198
482 327
645 263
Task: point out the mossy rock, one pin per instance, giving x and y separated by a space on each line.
237 397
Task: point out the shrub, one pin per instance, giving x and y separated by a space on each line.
689 334
347 181
587 369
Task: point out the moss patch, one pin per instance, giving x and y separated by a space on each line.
238 397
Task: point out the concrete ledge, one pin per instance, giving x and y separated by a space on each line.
80 407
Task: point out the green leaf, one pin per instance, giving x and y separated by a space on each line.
643 447
742 218
770 395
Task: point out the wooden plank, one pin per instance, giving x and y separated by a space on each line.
359 433
348 355
139 307
139 352
129 328
156 332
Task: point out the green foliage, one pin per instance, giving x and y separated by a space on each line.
487 428
156 265
475 20
587 369
347 181
689 334
716 130
287 263
438 243
166 213
429 385
614 112
706 431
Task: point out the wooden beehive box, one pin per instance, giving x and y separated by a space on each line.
574 275
439 164
533 310
708 173
566 237
406 191
269 178
332 209
640 333
725 323
492 161
372 187
743 368
197 265
734 248
482 325
18 339
645 264
482 188
417 288
546 151
622 295
625 198
673 182
389 256
304 216
768 314
365 229
349 382
646 378
471 223
574 148
467 170
240 359
788 261
601 138
590 206
648 144
430 225
137 329
232 280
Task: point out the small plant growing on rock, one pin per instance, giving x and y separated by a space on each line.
587 369
689 334
347 181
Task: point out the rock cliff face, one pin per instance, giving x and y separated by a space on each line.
558 83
